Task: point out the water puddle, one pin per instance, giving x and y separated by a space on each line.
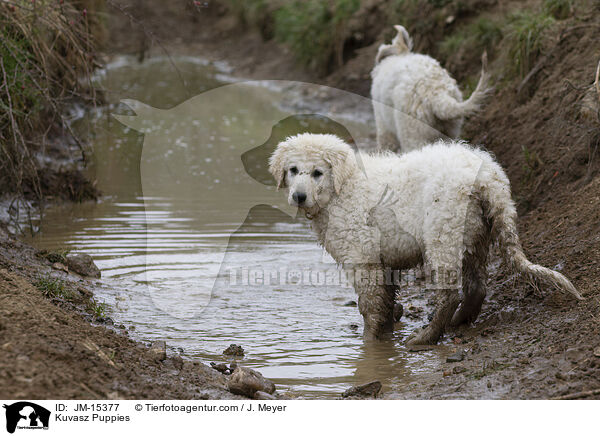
161 235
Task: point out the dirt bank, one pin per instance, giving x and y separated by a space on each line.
524 345
53 348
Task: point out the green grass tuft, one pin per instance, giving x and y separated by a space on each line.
525 34
487 33
559 9
439 3
98 310
59 255
483 34
53 288
315 30
466 45
531 165
453 43
249 12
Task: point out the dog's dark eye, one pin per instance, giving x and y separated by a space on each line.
317 173
294 170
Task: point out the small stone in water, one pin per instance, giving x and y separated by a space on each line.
367 390
177 362
158 350
234 350
221 367
350 304
83 264
246 381
59 266
459 356
458 369
260 395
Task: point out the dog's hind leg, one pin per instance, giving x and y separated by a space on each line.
474 265
474 287
375 303
447 302
444 275
387 138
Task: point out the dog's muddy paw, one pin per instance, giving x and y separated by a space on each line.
425 336
461 317
398 311
413 335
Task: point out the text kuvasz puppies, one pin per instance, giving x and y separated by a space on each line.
451 201
415 101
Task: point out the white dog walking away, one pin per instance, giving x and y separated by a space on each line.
450 200
415 100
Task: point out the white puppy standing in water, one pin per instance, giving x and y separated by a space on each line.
450 201
415 101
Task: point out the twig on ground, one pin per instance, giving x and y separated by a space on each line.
597 81
578 395
542 62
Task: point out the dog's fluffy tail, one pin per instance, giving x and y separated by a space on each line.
502 213
384 51
447 107
401 44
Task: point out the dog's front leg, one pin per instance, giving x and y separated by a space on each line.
375 303
447 302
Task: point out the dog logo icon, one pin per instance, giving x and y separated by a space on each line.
207 151
26 415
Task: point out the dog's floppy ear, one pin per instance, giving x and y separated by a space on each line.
277 164
405 40
343 163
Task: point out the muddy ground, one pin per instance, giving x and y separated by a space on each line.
55 347
525 345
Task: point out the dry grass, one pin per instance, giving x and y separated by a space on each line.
46 57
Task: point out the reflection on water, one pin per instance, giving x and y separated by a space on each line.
190 200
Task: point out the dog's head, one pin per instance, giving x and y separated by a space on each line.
313 168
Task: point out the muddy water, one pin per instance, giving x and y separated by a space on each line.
196 251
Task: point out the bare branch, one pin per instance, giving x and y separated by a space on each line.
597 82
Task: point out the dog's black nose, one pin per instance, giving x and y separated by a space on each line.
299 197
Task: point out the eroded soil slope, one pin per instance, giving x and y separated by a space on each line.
50 349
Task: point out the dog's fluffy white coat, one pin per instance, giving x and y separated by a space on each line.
453 201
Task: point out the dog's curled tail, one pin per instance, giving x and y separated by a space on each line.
401 44
501 210
447 107
384 51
